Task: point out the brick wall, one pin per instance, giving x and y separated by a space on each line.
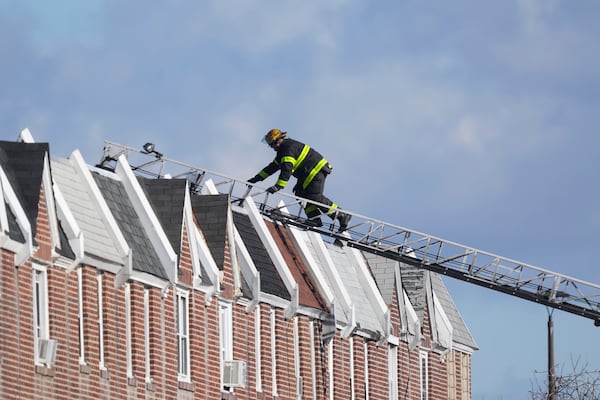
66 378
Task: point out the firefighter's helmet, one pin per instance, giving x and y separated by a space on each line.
274 135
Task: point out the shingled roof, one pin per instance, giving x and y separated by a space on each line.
99 244
167 198
144 256
270 281
24 165
211 213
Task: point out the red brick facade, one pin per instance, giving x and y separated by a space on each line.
300 361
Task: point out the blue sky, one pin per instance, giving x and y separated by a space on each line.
473 121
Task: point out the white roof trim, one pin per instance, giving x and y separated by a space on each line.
200 253
241 262
373 293
342 298
441 328
275 254
119 241
72 230
22 250
25 136
148 218
300 238
50 204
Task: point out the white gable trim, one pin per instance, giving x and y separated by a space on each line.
108 219
47 187
441 328
148 218
276 256
200 253
72 230
300 239
241 262
342 298
22 250
373 295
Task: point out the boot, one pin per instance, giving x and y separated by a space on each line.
315 222
344 221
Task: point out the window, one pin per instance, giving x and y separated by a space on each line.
258 348
366 350
451 372
128 330
330 367
297 359
80 316
40 311
273 352
100 322
183 347
313 361
465 376
148 377
393 371
352 382
424 374
225 333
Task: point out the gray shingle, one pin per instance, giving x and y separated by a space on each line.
98 241
461 333
144 255
211 213
167 199
24 164
346 265
270 281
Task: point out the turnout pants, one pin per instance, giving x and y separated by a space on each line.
314 192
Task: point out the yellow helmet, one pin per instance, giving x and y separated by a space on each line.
273 135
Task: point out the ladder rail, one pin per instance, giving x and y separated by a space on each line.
388 240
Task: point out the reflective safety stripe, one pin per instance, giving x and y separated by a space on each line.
296 162
301 157
313 173
310 209
281 182
263 174
332 209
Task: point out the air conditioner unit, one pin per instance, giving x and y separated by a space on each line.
234 373
47 351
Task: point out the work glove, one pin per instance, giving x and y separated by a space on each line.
274 188
254 179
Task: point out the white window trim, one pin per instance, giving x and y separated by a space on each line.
273 352
258 346
313 355
100 322
330 368
393 371
297 359
352 381
41 318
128 344
225 334
366 350
147 378
424 375
80 316
183 334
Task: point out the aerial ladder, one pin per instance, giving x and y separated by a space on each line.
387 240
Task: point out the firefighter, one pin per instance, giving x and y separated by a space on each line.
310 169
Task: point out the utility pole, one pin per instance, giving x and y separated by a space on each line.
551 376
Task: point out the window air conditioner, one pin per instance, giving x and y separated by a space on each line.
234 373
47 351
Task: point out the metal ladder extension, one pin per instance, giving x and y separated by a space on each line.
384 239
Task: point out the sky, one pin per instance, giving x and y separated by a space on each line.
473 121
